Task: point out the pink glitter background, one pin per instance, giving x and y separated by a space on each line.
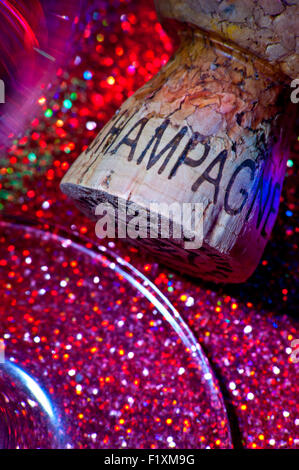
61 329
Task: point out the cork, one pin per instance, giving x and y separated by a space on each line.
212 129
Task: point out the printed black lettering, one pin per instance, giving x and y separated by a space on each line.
111 135
219 160
132 143
108 139
183 158
262 204
246 164
170 147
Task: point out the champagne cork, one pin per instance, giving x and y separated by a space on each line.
211 130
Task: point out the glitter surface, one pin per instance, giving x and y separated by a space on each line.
30 53
247 331
88 318
28 418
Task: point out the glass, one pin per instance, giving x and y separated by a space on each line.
113 363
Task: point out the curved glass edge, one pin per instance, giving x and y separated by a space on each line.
146 287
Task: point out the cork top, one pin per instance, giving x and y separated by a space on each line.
268 29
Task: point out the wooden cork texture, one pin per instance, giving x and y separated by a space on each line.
266 28
208 129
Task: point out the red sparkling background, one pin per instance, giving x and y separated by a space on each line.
246 330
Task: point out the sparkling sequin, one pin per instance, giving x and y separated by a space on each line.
171 384
246 330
